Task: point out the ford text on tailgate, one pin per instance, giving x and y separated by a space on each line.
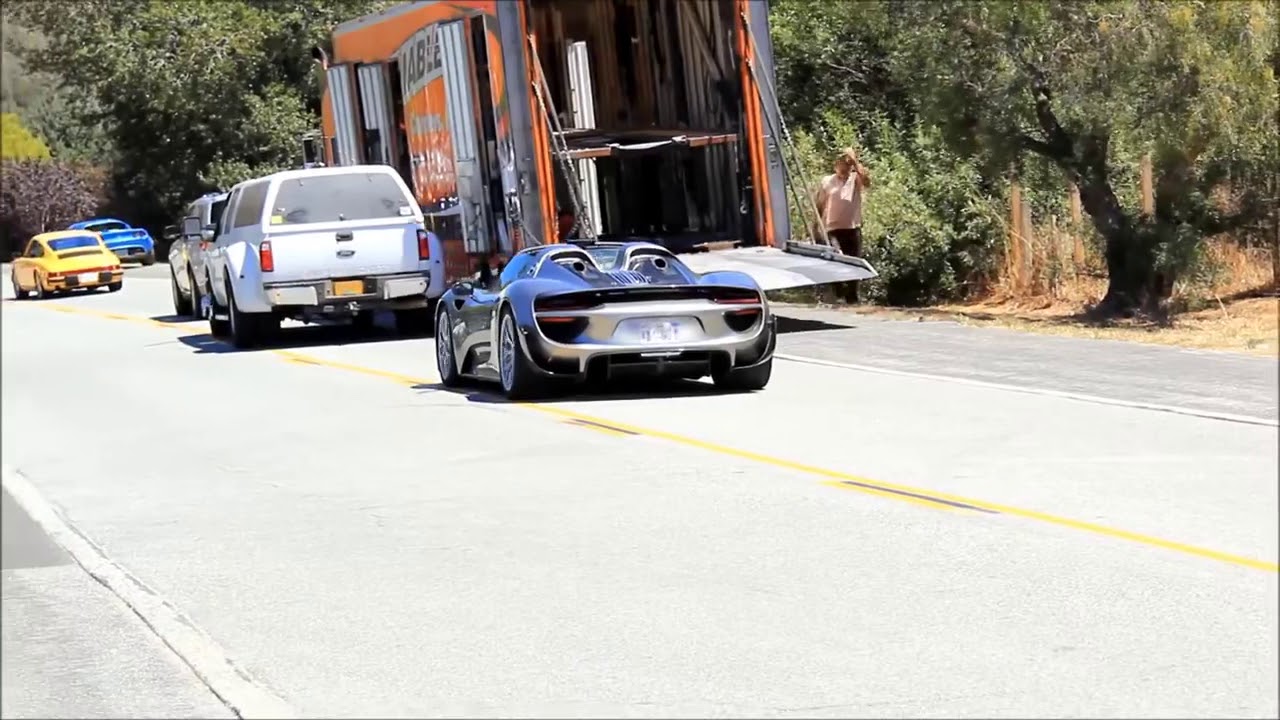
347 225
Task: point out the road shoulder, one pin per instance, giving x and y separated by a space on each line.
72 648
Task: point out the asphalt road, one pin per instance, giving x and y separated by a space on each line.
846 543
73 649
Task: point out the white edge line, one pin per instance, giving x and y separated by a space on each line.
1079 397
246 697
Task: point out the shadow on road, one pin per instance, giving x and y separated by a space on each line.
175 319
797 325
295 338
479 392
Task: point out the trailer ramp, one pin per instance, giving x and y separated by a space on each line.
796 265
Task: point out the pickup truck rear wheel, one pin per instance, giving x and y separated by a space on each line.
181 305
414 321
196 302
248 329
217 328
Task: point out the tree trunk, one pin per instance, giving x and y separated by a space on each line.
1133 285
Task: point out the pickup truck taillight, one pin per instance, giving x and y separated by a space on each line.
265 259
424 245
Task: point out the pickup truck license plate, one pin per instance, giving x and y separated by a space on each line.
348 287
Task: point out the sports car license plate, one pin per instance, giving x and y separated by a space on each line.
348 287
87 278
661 331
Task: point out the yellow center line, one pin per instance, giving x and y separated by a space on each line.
839 479
907 493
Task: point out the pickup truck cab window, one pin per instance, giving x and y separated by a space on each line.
249 209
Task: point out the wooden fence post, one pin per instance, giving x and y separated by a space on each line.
1014 256
1028 236
1148 188
1077 217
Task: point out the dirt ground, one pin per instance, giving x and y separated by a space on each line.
1238 310
1250 325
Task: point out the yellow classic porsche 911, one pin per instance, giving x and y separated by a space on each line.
56 262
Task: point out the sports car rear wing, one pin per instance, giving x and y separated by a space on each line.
798 264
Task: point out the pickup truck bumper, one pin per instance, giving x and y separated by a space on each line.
368 293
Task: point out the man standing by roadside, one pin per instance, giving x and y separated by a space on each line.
839 201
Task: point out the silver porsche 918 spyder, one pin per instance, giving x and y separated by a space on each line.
563 313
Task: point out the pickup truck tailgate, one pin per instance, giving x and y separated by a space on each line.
342 250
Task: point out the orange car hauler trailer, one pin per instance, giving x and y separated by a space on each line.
661 126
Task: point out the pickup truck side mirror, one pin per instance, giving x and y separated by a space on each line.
190 227
171 232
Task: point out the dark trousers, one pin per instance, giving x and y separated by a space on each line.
850 242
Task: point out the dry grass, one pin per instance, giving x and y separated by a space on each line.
1235 308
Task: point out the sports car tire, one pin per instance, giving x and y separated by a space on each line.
18 292
181 305
115 286
519 380
744 379
446 359
148 259
39 292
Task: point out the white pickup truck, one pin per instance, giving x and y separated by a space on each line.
316 244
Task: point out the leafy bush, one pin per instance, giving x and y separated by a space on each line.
43 195
930 228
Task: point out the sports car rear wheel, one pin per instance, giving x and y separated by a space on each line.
18 292
446 361
749 378
519 380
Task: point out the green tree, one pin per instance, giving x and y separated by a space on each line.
17 142
933 221
192 95
1091 86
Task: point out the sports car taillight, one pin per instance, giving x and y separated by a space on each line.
266 260
734 296
424 245
563 304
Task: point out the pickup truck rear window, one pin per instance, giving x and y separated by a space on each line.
333 198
